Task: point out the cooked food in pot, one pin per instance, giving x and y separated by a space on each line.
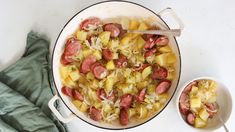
111 75
198 102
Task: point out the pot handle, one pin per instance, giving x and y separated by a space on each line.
57 113
173 14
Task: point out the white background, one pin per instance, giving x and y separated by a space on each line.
207 43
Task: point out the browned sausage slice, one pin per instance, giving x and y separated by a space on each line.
107 54
95 114
121 61
65 59
211 109
100 72
150 52
77 95
126 100
159 73
141 95
72 47
191 118
111 27
92 21
184 104
123 117
87 62
101 94
163 86
149 43
67 91
162 41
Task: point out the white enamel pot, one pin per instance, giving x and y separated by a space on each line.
105 10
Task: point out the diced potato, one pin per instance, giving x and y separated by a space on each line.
142 111
151 89
138 76
171 58
163 98
146 72
97 105
195 102
69 82
130 79
199 123
113 44
115 55
117 111
110 65
64 72
157 106
77 103
142 84
125 40
92 95
203 114
74 75
171 75
86 52
90 76
194 90
143 26
97 54
81 35
83 107
134 24
108 85
104 37
106 107
131 112
127 72
165 49
140 42
161 59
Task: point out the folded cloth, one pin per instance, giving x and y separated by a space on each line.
25 90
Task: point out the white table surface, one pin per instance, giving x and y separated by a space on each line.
207 43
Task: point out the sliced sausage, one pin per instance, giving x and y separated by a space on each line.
211 109
123 116
126 100
111 96
122 32
121 61
146 37
188 88
191 118
141 95
150 52
184 104
159 73
95 114
94 65
77 95
162 41
112 28
101 94
87 62
163 86
149 43
100 72
141 67
67 91
65 59
107 54
93 21
72 47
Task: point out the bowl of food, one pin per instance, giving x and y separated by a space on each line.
109 78
201 103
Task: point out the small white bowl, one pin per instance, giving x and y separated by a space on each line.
224 101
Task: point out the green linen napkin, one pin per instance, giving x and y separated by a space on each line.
25 90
